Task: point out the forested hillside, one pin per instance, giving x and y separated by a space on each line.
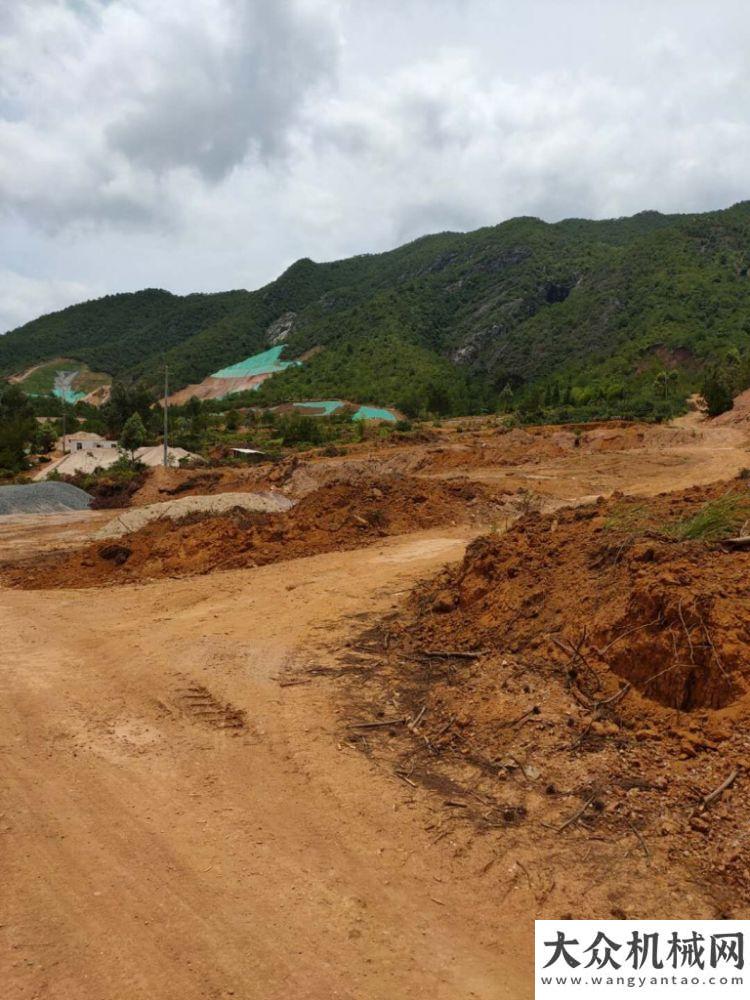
575 316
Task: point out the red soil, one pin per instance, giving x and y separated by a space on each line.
606 670
336 516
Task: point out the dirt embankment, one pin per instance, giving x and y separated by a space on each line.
335 516
595 662
611 567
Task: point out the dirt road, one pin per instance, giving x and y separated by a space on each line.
718 452
149 854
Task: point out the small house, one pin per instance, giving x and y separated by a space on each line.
86 441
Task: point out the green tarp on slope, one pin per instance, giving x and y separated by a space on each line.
374 413
328 406
259 364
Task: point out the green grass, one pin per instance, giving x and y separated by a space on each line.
629 518
715 520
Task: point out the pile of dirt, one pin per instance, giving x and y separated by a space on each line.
163 484
339 515
501 448
177 510
738 416
596 663
671 615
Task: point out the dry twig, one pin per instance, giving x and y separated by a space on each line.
376 725
576 815
470 654
708 799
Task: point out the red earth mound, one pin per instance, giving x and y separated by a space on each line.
668 616
585 675
335 516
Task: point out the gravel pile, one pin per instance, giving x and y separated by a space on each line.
42 498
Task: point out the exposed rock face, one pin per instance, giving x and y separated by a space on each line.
480 339
280 329
499 261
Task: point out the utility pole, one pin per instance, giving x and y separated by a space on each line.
166 419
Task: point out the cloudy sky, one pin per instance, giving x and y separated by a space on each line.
198 145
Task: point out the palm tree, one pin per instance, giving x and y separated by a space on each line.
664 379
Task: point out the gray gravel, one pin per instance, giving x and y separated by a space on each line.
42 498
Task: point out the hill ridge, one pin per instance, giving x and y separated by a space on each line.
583 311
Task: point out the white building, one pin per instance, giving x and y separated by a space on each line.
86 441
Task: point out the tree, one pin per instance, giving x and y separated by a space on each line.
717 394
190 429
232 421
664 379
17 428
46 436
505 398
124 401
133 434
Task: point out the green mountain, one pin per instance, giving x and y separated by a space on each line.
578 314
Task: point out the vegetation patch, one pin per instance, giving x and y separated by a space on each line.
78 379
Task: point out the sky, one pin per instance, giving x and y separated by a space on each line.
202 145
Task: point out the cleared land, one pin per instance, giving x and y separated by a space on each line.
69 379
191 808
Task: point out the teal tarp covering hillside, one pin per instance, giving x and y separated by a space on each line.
374 413
259 364
328 406
69 395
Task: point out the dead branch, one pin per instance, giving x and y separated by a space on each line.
641 841
687 631
376 725
580 697
741 542
405 778
582 736
576 815
710 642
628 631
534 710
461 654
445 728
615 697
708 799
415 722
525 870
575 655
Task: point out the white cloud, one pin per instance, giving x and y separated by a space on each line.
205 144
22 298
100 102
